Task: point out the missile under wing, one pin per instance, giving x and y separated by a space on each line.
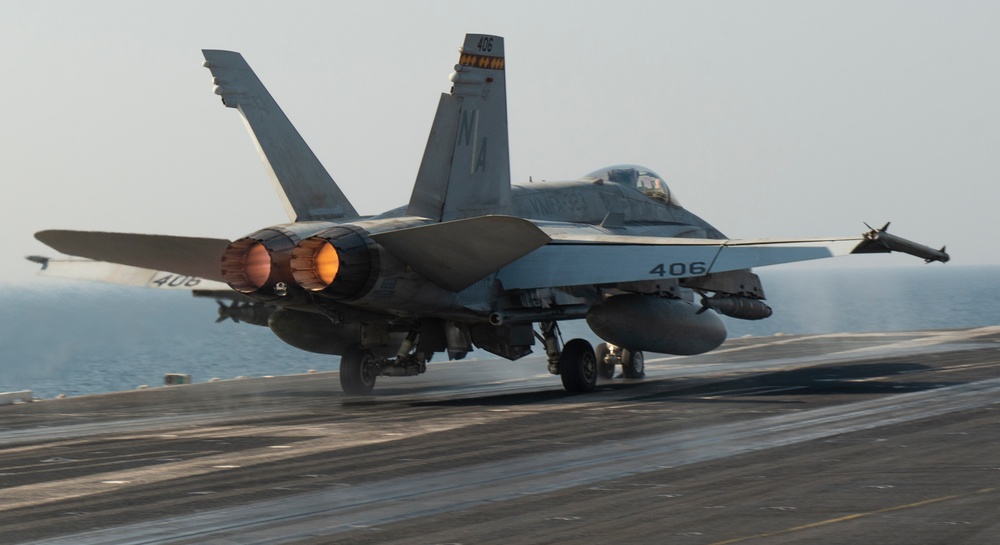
474 261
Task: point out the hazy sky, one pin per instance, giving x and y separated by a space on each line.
768 119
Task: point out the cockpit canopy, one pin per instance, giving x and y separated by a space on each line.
641 178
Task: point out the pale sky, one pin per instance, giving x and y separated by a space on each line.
768 119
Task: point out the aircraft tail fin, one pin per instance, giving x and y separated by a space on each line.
306 188
465 171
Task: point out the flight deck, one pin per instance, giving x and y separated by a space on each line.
838 438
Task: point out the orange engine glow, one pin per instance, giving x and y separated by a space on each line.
315 264
246 265
326 263
257 265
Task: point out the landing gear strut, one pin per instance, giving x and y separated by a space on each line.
605 362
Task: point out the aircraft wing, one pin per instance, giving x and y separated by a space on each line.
527 255
124 275
572 259
189 256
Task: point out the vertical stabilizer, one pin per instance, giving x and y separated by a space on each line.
465 171
306 188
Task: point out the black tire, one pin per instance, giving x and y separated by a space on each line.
605 367
633 364
358 371
578 366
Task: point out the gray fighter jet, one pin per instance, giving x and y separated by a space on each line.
471 260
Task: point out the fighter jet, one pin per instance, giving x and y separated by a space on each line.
472 260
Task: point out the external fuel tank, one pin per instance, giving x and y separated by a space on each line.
656 324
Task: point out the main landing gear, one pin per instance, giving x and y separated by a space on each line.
632 361
358 370
579 365
359 367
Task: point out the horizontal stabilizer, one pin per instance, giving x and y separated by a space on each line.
457 254
191 256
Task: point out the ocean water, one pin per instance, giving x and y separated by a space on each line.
78 338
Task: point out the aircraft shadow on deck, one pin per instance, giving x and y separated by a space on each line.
854 379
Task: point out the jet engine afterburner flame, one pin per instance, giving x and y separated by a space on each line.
257 264
246 265
327 263
340 263
315 264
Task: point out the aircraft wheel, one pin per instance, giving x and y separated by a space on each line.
633 364
358 371
605 366
578 366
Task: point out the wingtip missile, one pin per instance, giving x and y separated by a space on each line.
882 240
943 252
